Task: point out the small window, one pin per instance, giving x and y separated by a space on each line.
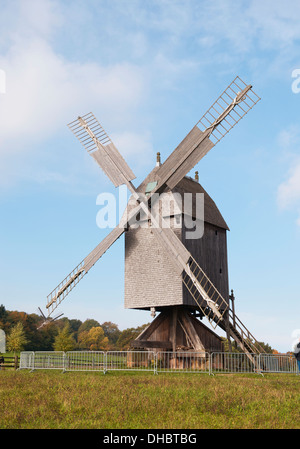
216 232
220 270
150 186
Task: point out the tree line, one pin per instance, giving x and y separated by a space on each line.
22 333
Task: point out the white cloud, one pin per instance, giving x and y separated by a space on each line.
141 47
45 91
289 138
289 190
134 144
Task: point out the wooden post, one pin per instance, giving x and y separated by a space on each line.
226 318
232 298
16 362
232 306
173 327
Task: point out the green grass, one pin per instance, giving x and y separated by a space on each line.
122 400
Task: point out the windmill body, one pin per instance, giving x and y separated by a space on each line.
151 282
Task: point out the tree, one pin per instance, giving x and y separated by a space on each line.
87 325
75 325
93 340
3 316
128 335
235 348
16 339
112 332
3 312
64 341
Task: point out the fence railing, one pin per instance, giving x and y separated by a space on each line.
278 363
84 361
9 362
192 362
232 362
159 362
130 360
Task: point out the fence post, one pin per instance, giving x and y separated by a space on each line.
16 362
33 363
259 364
155 363
64 363
210 364
105 363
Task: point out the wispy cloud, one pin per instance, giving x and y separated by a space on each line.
288 193
44 90
138 49
289 190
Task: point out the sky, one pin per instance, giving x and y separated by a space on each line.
148 70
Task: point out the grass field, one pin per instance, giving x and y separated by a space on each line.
122 400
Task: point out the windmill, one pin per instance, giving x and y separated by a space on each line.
204 298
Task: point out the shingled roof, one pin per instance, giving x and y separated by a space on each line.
212 214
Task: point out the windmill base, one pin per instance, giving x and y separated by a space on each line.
176 329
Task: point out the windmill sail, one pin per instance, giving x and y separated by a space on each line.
98 144
66 285
231 106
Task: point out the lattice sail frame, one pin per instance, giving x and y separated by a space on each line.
97 143
85 139
224 101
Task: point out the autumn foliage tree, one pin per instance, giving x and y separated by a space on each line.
16 339
93 339
64 340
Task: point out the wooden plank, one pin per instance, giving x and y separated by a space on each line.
189 327
107 166
146 333
200 151
179 154
174 248
106 243
151 344
113 164
120 162
173 327
184 157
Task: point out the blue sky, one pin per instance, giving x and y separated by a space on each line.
148 70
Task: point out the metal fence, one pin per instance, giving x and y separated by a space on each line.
49 360
85 361
278 363
130 360
191 362
159 362
26 360
232 362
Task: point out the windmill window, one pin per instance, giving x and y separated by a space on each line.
150 187
216 232
220 270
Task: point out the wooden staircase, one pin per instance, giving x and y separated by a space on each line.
241 335
220 314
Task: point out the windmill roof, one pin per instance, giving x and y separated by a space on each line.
212 214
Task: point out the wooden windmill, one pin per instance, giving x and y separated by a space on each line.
187 279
